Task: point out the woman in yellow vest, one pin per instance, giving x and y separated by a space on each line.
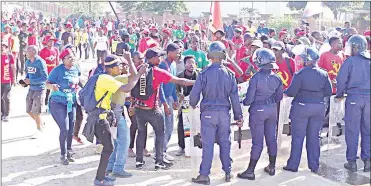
78 37
85 43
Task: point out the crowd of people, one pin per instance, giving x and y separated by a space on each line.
144 71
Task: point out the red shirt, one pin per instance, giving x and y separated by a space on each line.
186 28
46 54
245 66
243 51
331 63
159 76
284 73
6 73
31 40
238 40
143 44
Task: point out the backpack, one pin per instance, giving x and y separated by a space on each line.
143 89
97 70
87 95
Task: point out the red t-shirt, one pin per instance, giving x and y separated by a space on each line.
238 40
6 73
331 63
284 73
225 42
186 28
159 76
31 40
46 54
243 51
143 44
245 66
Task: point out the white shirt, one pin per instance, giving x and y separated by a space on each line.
101 43
110 26
97 23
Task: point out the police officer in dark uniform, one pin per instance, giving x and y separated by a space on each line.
264 92
219 89
309 87
354 80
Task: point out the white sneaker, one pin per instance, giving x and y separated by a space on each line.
168 157
99 149
36 135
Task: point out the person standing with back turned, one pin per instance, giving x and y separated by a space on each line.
219 89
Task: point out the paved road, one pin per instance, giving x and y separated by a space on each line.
36 162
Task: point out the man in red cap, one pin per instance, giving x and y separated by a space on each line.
50 55
166 38
143 42
153 29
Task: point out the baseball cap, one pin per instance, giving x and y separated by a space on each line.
171 47
257 43
48 38
278 45
166 31
220 31
281 33
247 36
154 52
65 52
239 30
68 25
112 61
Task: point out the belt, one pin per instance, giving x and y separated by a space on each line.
264 102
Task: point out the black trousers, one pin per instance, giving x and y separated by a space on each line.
155 118
103 133
78 122
47 97
5 98
181 142
133 131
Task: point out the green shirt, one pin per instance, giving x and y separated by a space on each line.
179 34
200 57
132 41
119 97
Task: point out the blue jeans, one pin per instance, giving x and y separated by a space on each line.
117 160
65 122
169 122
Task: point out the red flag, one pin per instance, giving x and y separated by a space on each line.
216 16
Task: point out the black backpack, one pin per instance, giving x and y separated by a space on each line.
143 90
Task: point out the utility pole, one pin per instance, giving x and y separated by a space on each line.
90 7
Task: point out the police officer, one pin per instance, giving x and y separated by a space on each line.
265 90
354 80
309 87
219 90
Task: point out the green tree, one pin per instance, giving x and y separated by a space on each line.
279 23
86 8
159 7
338 7
248 11
296 5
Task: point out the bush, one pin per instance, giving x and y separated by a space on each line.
279 23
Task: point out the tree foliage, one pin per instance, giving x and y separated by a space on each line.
296 5
279 23
91 8
248 11
175 7
338 7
